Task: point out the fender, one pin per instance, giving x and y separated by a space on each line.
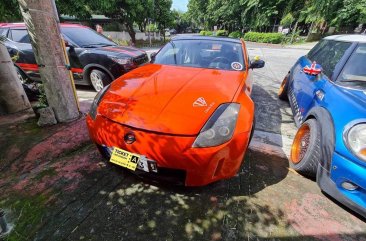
327 141
88 67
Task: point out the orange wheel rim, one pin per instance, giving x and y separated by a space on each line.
282 87
301 144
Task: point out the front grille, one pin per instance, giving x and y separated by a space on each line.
141 59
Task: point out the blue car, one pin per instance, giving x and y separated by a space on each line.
327 94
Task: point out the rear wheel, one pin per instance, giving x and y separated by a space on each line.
282 92
305 152
99 79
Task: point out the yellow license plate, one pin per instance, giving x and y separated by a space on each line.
124 158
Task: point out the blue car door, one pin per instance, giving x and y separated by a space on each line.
304 87
309 88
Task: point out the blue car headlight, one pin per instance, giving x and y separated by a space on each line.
355 139
220 127
93 110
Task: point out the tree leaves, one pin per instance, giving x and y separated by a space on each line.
260 14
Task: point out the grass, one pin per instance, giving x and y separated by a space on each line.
24 214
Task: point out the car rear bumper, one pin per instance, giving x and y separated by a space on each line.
201 165
344 170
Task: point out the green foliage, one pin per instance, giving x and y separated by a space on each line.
129 12
206 33
151 28
181 21
235 34
9 11
28 213
112 27
294 37
262 15
78 8
162 14
352 11
274 38
42 98
287 20
221 32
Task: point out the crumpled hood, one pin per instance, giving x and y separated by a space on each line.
169 99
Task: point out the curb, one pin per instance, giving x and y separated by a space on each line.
272 144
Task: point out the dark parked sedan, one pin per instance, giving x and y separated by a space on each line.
95 60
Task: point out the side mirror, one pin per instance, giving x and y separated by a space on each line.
257 64
152 57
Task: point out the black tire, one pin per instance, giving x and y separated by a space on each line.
252 131
306 151
282 92
99 79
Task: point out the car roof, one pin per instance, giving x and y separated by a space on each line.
199 37
348 38
22 25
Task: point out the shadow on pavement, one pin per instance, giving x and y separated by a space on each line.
128 208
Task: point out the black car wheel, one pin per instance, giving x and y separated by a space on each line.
306 152
99 79
282 92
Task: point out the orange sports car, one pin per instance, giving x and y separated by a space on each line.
186 117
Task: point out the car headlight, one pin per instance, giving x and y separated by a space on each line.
96 101
220 127
356 140
122 61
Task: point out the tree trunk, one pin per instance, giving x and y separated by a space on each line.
310 29
294 31
164 33
131 32
41 19
12 96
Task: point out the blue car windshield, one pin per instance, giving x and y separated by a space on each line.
200 53
354 72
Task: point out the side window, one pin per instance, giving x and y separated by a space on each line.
20 35
329 54
316 49
3 32
354 72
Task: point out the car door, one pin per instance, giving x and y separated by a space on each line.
307 88
23 52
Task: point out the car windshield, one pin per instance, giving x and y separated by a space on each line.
86 37
3 31
213 54
354 72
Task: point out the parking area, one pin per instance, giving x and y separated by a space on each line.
55 185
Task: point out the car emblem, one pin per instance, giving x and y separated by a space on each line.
200 102
129 138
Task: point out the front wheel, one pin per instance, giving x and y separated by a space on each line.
99 79
282 92
306 152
